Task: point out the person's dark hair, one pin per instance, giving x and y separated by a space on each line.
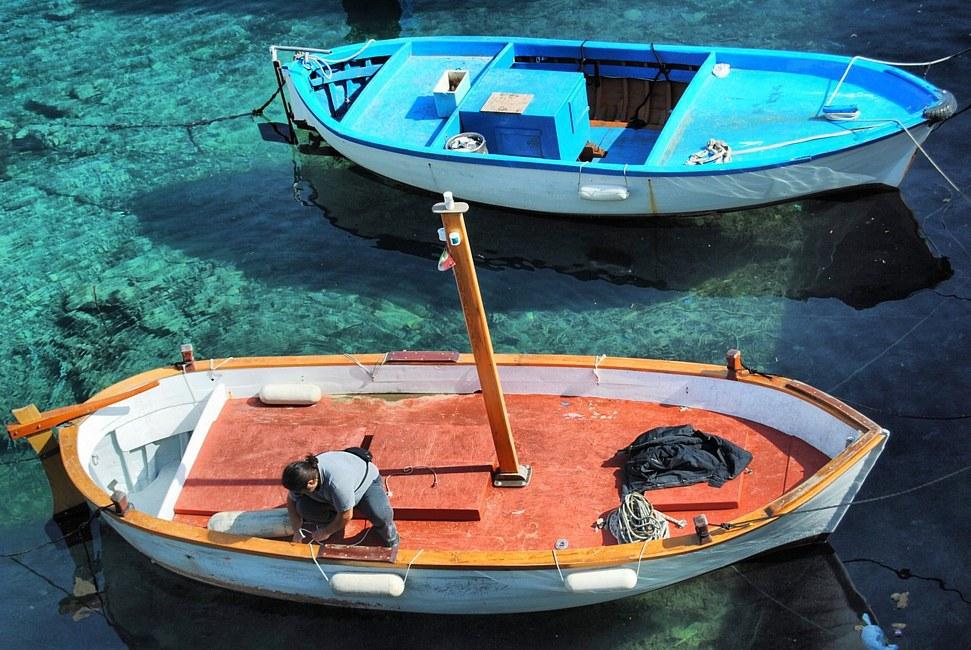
298 473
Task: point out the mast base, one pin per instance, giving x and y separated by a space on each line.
512 479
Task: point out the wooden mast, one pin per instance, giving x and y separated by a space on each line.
509 473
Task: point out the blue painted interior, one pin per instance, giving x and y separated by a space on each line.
768 98
623 146
554 124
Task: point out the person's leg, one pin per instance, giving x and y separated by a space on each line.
375 506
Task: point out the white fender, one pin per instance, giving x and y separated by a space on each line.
252 523
290 394
604 193
367 584
602 580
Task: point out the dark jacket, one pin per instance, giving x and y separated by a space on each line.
681 455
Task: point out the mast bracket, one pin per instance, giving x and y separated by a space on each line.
512 479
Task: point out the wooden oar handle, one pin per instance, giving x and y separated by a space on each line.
63 414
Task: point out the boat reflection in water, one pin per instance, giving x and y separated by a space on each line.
862 248
801 594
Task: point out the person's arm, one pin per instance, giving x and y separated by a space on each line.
337 524
295 520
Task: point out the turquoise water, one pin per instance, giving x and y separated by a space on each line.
132 223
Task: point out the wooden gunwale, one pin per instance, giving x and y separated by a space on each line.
591 557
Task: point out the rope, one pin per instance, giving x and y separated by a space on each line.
858 502
556 561
716 151
596 366
887 349
370 373
256 112
907 416
313 556
640 556
923 151
907 574
11 556
39 457
408 570
308 59
779 603
409 470
636 520
895 63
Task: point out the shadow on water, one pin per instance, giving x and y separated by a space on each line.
800 596
862 249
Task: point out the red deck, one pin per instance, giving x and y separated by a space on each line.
436 452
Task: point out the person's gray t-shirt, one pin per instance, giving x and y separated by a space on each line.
340 479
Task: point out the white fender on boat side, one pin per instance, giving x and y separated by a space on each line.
601 580
604 193
367 584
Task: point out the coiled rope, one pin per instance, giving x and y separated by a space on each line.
636 520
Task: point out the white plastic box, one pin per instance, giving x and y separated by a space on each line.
449 91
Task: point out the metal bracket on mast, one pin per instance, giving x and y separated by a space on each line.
512 479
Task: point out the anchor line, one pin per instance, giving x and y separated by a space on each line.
907 574
858 502
11 556
256 112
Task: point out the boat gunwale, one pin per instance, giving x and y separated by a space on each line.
871 436
894 127
601 169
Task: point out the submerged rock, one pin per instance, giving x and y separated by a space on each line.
47 110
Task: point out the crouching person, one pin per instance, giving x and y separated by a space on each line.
325 489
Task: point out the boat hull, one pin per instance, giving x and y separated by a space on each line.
593 129
538 189
483 589
171 413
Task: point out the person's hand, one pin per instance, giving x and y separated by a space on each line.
319 537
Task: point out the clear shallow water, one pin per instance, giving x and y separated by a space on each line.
126 232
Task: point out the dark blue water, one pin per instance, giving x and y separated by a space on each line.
131 224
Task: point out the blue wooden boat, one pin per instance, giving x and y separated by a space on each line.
611 129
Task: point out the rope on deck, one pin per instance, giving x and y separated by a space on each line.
636 520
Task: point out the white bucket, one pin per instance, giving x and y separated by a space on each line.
467 142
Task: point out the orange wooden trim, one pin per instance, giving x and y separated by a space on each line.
807 488
63 414
492 560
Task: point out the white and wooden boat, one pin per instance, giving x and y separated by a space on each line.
611 129
498 467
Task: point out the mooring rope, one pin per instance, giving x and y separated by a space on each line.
894 63
855 502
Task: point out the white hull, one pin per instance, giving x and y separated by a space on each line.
883 162
480 590
434 579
